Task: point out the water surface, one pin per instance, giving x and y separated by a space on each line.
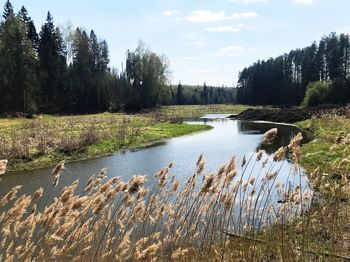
218 145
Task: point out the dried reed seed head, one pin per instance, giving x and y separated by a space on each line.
103 173
221 169
269 136
207 183
270 176
229 177
259 155
171 164
99 207
104 188
176 186
79 203
58 169
279 154
296 156
38 194
3 166
252 192
135 184
232 164
142 192
199 159
252 180
121 186
296 141
10 195
200 166
264 163
244 161
149 252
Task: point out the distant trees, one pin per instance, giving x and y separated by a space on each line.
192 95
284 80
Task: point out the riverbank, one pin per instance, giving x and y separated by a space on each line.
322 232
196 111
46 140
321 126
290 114
331 141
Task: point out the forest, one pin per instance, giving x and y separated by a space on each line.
60 70
320 71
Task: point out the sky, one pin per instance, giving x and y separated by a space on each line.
205 40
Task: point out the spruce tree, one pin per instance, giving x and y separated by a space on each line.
31 30
17 67
52 66
8 10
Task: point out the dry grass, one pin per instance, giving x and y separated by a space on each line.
33 143
195 111
227 215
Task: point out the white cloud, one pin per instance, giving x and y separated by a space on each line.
231 50
228 28
247 1
303 2
170 12
205 16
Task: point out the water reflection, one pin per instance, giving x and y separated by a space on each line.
284 135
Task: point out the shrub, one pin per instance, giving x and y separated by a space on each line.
317 93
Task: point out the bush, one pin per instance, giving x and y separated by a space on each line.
317 93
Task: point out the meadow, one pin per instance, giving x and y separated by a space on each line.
46 139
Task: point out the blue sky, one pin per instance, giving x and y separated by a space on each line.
205 40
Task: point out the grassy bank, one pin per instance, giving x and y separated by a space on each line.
325 152
45 140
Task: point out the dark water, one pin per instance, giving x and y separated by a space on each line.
227 138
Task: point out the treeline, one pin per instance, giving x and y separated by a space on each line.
284 80
60 70
193 95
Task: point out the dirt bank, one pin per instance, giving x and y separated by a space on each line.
291 114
